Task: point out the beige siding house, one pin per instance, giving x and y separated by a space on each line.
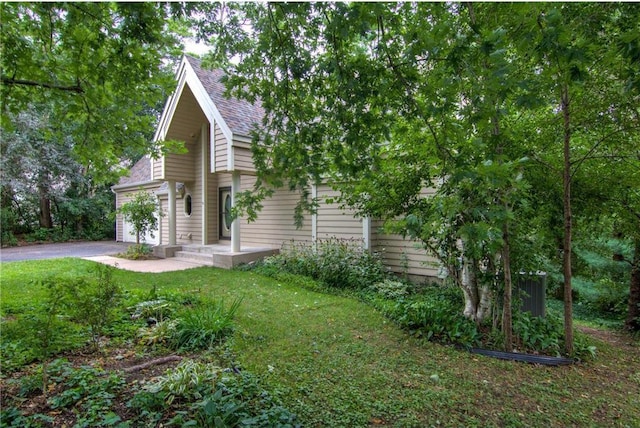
197 188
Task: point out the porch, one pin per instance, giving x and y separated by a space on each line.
217 255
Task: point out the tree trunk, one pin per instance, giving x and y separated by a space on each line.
477 297
507 324
566 262
633 316
45 208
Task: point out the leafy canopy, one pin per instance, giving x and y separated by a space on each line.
103 68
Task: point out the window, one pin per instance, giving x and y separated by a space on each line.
187 205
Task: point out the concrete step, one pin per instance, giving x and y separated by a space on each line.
194 257
206 249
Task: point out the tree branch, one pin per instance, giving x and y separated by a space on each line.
19 82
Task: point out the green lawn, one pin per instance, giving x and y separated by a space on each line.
334 361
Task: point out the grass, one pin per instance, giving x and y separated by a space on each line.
337 362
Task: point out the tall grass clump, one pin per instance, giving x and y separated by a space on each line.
336 263
204 326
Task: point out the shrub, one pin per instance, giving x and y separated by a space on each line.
8 239
612 297
434 314
199 394
189 381
158 309
391 289
546 335
137 252
437 316
537 333
337 263
93 301
9 223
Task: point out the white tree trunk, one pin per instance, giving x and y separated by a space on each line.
477 298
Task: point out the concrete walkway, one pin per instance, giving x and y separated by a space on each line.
153 266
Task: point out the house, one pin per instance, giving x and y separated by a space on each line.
196 189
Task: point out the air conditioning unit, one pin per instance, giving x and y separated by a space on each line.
530 290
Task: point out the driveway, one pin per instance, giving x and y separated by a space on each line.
65 249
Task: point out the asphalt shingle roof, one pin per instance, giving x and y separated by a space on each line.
139 172
241 116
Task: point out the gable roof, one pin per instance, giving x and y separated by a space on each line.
240 116
233 116
139 173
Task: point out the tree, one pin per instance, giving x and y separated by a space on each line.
582 68
385 100
43 185
141 212
103 69
415 94
36 165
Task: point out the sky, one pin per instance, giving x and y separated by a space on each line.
190 46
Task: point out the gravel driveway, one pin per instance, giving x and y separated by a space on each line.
65 249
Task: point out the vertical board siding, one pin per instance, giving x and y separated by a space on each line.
334 222
182 167
189 228
221 150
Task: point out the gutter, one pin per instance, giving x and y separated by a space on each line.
116 187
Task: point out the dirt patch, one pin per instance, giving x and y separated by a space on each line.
614 338
136 369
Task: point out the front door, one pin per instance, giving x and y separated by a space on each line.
224 202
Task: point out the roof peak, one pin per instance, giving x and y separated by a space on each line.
240 116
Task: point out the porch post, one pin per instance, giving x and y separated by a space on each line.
158 213
205 172
235 225
366 232
172 212
314 216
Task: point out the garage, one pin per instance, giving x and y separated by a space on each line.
129 235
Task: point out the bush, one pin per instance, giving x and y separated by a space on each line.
612 297
93 301
8 239
137 252
189 381
199 394
8 226
391 289
336 263
537 333
434 314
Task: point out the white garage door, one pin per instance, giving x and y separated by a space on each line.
129 235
